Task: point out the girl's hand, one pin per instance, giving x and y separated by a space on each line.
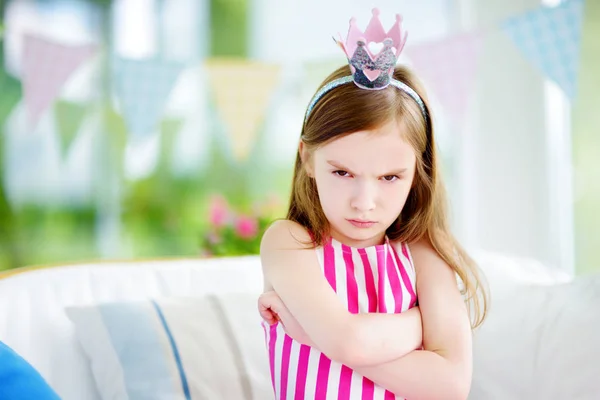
264 308
272 310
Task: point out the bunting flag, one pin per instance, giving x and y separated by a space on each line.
143 88
47 65
550 38
242 91
448 67
68 119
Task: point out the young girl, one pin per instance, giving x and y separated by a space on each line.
361 298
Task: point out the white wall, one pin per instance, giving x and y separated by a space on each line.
301 30
506 192
515 200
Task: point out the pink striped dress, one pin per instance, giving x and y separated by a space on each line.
373 279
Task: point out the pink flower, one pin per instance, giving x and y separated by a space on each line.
246 227
218 211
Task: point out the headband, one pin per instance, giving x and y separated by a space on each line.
371 71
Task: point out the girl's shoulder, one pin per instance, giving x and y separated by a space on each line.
285 246
285 234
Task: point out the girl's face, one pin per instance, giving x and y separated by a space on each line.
363 181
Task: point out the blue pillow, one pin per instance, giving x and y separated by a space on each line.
176 348
19 380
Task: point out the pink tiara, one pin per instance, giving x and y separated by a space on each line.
373 71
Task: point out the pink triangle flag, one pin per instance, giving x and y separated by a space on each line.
448 67
47 65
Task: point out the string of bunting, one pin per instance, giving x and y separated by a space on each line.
548 37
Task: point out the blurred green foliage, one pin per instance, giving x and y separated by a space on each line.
10 90
586 145
229 28
162 214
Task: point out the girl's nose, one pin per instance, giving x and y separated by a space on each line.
364 197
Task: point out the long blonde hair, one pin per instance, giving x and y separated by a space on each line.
347 109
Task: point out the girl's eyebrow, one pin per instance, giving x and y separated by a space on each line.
337 164
397 172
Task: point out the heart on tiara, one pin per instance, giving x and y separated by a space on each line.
375 47
371 74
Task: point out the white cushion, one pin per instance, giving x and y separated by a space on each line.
540 342
33 319
176 348
32 306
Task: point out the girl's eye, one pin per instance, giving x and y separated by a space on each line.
341 173
390 178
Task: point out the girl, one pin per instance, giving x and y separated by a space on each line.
366 235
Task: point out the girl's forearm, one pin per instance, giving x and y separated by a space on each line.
372 338
381 338
412 375
421 375
293 329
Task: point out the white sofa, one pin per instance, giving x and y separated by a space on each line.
541 340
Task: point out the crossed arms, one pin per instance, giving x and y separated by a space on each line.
381 347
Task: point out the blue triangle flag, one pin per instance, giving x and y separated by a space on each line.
550 38
143 87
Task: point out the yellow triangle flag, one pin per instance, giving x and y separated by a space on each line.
242 90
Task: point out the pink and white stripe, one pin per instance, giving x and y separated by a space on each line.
373 279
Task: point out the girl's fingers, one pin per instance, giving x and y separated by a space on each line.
265 308
266 314
269 316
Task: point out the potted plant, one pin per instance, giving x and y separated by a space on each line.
232 232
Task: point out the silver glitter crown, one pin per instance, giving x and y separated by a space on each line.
369 71
373 71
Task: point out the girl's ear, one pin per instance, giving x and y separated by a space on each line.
305 157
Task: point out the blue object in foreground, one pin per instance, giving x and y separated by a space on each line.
19 380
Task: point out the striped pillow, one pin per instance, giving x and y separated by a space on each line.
176 348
